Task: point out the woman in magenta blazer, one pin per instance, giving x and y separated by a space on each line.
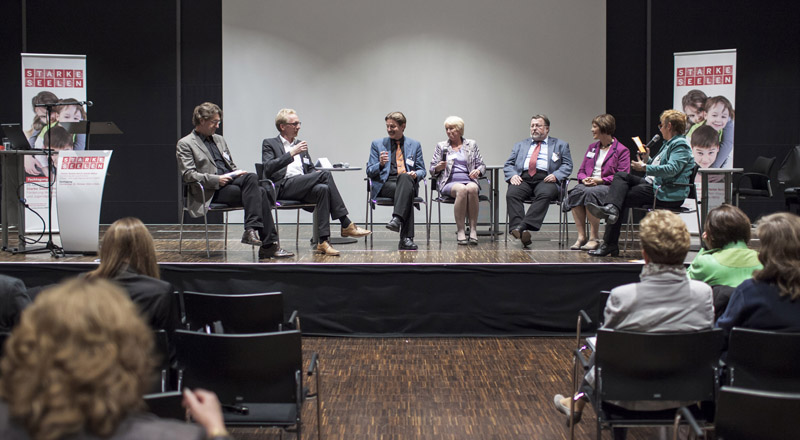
603 158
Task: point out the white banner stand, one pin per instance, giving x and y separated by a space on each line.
81 177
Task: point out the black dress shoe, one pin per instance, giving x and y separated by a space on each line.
608 212
394 224
250 237
273 251
523 235
407 244
605 250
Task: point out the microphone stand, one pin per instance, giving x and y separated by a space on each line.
55 250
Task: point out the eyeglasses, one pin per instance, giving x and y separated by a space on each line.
296 124
216 122
538 125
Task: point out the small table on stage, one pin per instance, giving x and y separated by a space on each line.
12 165
340 240
727 173
494 205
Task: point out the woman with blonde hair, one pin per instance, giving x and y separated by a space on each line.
456 165
769 301
77 366
128 257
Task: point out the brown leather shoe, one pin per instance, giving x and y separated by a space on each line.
354 231
325 248
250 237
273 251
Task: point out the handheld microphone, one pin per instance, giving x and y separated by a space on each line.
653 141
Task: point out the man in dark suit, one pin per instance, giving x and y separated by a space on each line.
536 167
204 157
395 168
289 166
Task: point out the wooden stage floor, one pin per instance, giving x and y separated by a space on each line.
383 249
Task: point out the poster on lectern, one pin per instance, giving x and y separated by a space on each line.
81 178
705 89
47 79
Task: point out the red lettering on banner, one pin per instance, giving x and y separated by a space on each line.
59 73
79 74
28 73
39 73
699 81
717 80
681 72
59 83
681 82
729 69
68 73
709 71
100 166
690 81
717 70
49 73
28 83
68 83
39 82
48 83
690 71
727 79
78 83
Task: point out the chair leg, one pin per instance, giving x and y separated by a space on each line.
297 230
225 243
205 222
628 230
277 228
180 233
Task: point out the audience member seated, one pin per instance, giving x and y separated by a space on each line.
769 301
13 298
665 300
76 367
603 159
673 164
456 165
128 257
727 261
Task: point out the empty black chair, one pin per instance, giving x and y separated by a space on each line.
763 360
654 367
757 178
789 177
237 313
257 377
749 414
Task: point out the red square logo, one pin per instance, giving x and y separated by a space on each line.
49 73
79 74
690 71
709 71
681 72
78 83
699 81
28 73
727 79
29 82
68 74
49 83
39 82
728 70
717 70
39 73
59 82
690 81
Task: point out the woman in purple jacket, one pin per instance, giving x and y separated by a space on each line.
603 158
456 166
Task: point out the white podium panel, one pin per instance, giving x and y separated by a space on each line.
80 179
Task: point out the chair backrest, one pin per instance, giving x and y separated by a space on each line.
238 313
167 405
789 172
763 360
748 414
692 186
762 165
254 368
658 366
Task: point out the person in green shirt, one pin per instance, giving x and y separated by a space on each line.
727 261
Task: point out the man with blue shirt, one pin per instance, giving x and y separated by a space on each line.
535 169
395 168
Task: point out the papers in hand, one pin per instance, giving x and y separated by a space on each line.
639 144
234 174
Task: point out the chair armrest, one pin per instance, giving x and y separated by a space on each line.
585 317
294 321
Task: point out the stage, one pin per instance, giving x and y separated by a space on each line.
496 288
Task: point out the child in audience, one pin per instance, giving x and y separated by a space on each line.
727 261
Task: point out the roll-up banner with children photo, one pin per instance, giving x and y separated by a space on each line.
705 89
48 79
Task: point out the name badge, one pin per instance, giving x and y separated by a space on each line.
554 158
410 162
590 154
307 160
451 157
226 156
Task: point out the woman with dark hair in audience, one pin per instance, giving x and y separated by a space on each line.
76 368
727 261
128 257
769 301
603 159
